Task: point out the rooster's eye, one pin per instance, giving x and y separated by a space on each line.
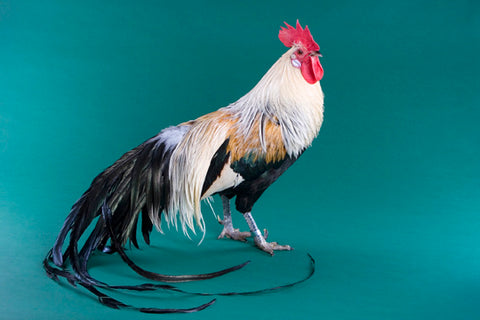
300 52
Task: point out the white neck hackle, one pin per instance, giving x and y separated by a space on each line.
284 94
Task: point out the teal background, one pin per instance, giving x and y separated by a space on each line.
386 200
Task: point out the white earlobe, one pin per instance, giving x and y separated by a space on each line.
296 63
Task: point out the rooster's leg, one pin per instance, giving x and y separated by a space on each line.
228 230
259 238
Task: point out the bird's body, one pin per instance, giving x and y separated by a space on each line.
229 150
237 151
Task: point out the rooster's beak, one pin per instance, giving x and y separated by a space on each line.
317 54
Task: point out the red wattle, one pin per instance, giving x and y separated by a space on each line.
312 70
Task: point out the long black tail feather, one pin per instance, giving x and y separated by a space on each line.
153 286
137 182
57 247
115 304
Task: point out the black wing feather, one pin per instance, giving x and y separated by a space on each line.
220 158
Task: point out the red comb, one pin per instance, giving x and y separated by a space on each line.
291 36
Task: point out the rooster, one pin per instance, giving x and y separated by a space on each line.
236 152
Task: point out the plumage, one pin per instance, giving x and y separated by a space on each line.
237 151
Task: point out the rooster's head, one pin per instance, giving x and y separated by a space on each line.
306 51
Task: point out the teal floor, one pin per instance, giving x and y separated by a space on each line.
387 200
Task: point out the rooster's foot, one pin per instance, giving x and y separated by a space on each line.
234 234
269 247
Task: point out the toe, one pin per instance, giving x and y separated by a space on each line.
276 246
235 234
